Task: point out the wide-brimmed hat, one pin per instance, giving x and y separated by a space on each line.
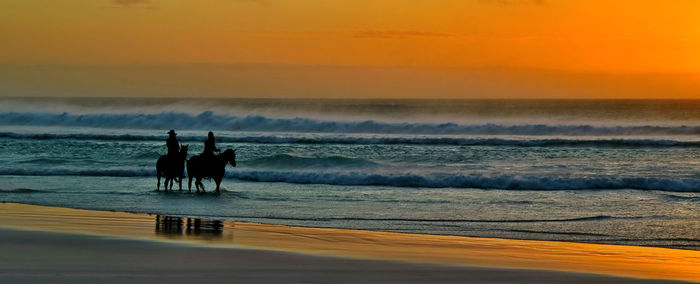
172 132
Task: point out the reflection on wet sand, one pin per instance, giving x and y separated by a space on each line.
176 226
166 225
645 262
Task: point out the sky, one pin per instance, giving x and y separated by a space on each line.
351 48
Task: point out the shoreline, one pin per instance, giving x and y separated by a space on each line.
350 229
492 253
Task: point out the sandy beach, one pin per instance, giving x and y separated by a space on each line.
345 141
52 243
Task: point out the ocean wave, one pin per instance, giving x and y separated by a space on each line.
456 141
445 180
210 120
23 190
72 172
286 161
45 161
411 180
682 198
447 220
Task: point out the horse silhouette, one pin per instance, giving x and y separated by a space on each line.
172 168
200 167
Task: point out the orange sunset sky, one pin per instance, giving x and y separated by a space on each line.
351 48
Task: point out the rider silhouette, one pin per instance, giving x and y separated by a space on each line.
210 146
173 144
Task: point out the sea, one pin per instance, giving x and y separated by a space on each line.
596 171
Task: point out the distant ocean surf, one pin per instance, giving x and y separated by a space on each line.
622 172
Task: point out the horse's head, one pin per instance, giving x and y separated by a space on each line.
183 150
230 156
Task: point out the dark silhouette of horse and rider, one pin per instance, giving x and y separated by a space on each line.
205 165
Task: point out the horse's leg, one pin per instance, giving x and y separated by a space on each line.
179 182
218 182
200 185
189 183
158 186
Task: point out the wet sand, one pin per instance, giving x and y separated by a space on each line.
47 243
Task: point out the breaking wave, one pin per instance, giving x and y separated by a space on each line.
444 180
268 139
210 120
293 162
428 180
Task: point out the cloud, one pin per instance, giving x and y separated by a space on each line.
398 34
515 2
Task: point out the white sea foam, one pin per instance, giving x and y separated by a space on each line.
413 180
373 140
211 120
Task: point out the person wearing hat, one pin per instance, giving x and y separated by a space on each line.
173 144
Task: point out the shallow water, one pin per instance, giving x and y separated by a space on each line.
606 172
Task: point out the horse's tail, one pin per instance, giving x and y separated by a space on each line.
159 169
184 169
189 173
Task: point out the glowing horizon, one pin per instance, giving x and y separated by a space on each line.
624 39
